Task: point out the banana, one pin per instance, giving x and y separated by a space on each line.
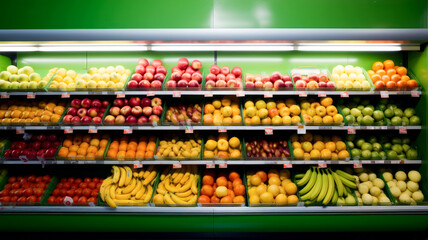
119 190
175 172
122 178
299 176
185 177
194 187
345 175
168 187
310 184
106 192
137 188
116 174
180 175
330 190
150 177
178 200
123 196
128 175
148 171
129 202
335 197
348 183
105 183
165 172
161 189
324 187
345 193
339 184
141 174
313 193
148 195
129 188
184 194
168 200
186 186
305 178
141 192
112 191
110 202
135 174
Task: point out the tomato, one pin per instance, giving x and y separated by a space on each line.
62 192
13 198
5 199
82 199
32 199
67 185
11 180
70 180
26 185
63 180
39 198
94 193
60 185
21 199
78 192
78 180
83 185
60 200
18 179
46 179
76 199
86 192
31 178
41 185
4 193
22 181
95 180
16 185
70 192
8 186
39 179
38 192
51 199
19 192
87 180
27 192
99 185
12 192
55 192
74 186
92 199
92 185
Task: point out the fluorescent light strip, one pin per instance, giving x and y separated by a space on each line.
222 47
91 47
345 47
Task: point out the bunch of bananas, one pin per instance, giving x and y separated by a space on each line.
178 186
326 186
128 187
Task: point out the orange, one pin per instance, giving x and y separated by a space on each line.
71 154
290 188
292 199
226 199
80 157
203 199
412 84
25 114
21 108
326 154
139 154
45 118
95 142
84 145
112 153
36 120
73 148
114 145
391 85
2 113
223 154
90 156
239 199
221 181
59 110
130 154
370 72
100 152
123 146
81 151
103 143
376 77
50 107
386 79
391 72
343 155
16 113
39 113
377 66
92 149
388 64
31 115
239 190
402 84
55 118
132 147
86 138
63 152
48 113
402 71
7 114
14 120
395 78
121 154
330 146
207 190
28 120
381 72
405 78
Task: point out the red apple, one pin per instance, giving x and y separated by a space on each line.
67 118
209 84
105 103
313 77
100 114
147 111
143 61
190 70
119 119
156 84
86 102
237 71
279 84
156 102
40 153
125 110
137 77
157 63
75 103
142 119
171 84
220 83
300 83
288 85
197 76
214 69
265 78
175 76
148 76
231 83
137 111
161 69
96 103
140 69
186 76
183 63
275 76
96 120
296 76
150 69
258 84
249 85
323 78
182 84
109 119
75 119
157 109
159 76
230 76
154 118
134 101
306 79
331 84
46 144
72 111
193 84
93 112
268 85
144 84
118 102
50 153
175 69
132 84
211 77
322 84
225 70
286 78
196 64
86 119
82 112
221 77
115 111
131 119
145 102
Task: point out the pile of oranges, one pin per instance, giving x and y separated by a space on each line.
132 147
387 75
222 188
33 112
84 147
316 147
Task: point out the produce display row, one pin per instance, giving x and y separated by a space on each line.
224 111
190 186
188 76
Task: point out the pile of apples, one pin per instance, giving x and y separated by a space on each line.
134 111
85 111
24 189
223 77
184 75
23 78
148 76
258 147
275 81
313 81
350 77
39 146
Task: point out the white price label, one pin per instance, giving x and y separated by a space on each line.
176 94
303 94
351 130
268 131
155 124
344 94
301 129
358 165
240 94
188 129
402 130
222 130
322 165
208 94
322 94
20 131
65 95
415 93
138 165
92 130
222 165
210 165
5 95
288 165
127 131
23 158
384 94
68 130
31 95
150 94
68 201
176 165
120 95
268 95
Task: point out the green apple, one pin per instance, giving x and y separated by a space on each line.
350 119
396 121
346 111
5 75
389 113
260 104
392 155
405 121
396 140
412 154
401 156
32 85
355 112
368 120
371 107
356 152
23 85
397 148
27 70
360 107
41 84
360 142
366 146
382 107
372 139
378 115
367 111
14 85
12 69
405 140
350 144
408 112
360 119
415 121
4 84
270 104
406 147
382 154
391 106
13 78
375 156
398 112
387 146
377 147
366 154
22 78
35 77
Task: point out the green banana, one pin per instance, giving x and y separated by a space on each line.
330 190
299 176
335 197
345 175
348 183
315 191
310 184
339 184
324 187
305 178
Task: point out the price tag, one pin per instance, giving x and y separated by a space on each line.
301 129
138 165
414 93
5 95
208 94
322 94
240 94
20 131
322 165
68 130
155 124
288 165
91 204
150 94
344 94
402 130
65 95
92 130
23 158
127 131
188 129
210 165
222 165
358 165
176 94
268 95
351 130
68 201
31 95
222 130
120 95
303 94
268 131
176 165
384 94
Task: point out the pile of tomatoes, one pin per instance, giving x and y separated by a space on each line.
80 190
28 189
387 75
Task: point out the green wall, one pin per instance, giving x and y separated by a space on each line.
46 14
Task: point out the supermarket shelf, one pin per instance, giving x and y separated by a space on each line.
246 128
219 210
212 93
215 162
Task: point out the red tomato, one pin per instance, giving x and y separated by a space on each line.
70 192
87 180
74 186
27 192
16 185
71 180
95 180
31 199
62 192
21 199
31 178
92 199
12 192
63 180
78 180
13 198
78 192
83 185
46 178
55 192
99 185
92 185
4 193
67 185
60 185
19 192
26 185
51 199
41 185
18 179
38 192
94 193
5 199
22 181
86 192
82 199
11 180
39 198
39 179
8 186
59 200
75 199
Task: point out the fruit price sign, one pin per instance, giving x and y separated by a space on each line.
127 131
120 95
31 95
222 130
4 95
344 94
288 165
20 131
322 164
301 129
65 95
150 94
384 94
176 165
268 131
210 165
358 165
138 165
208 94
303 94
402 130
351 130
188 129
68 130
222 165
92 130
322 94
414 94
176 94
268 95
